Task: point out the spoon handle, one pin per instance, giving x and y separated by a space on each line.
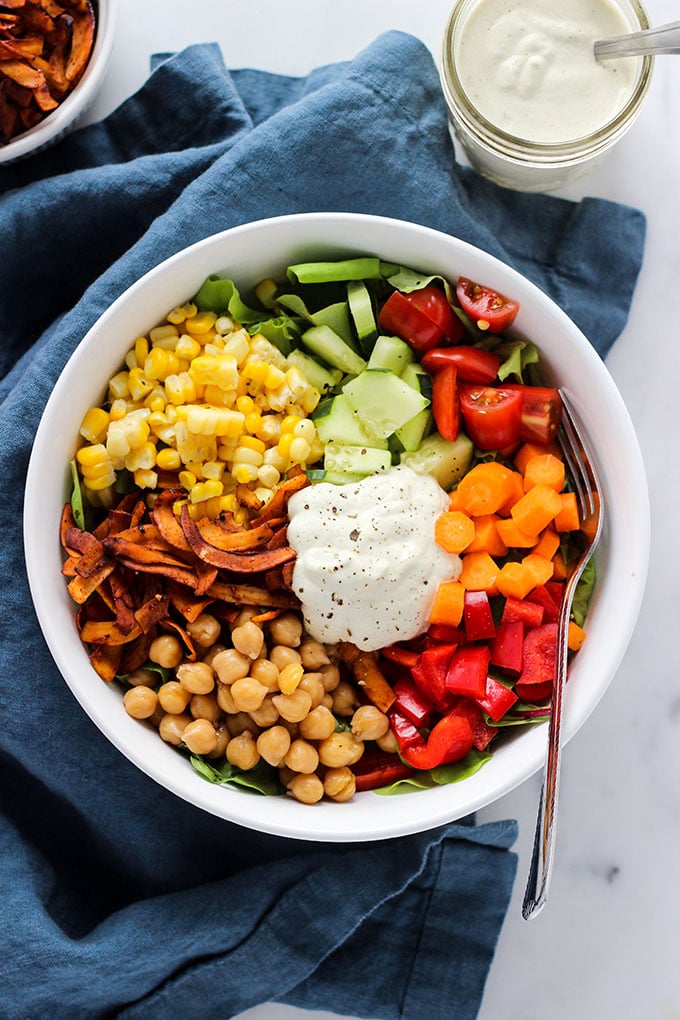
664 39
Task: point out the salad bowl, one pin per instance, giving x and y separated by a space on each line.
248 254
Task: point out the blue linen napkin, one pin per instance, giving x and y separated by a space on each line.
119 900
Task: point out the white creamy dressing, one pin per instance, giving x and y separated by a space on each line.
528 66
367 566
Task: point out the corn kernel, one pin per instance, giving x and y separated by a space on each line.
179 388
290 677
244 455
213 469
252 422
187 479
164 336
118 410
178 315
156 399
284 443
289 422
245 404
145 479
141 349
299 450
160 363
310 400
274 378
218 370
273 457
200 323
168 459
252 443
244 473
142 459
263 494
94 425
187 347
89 455
218 396
305 429
205 490
196 468
255 371
268 475
269 430
130 359
238 345
223 324
100 484
118 386
138 384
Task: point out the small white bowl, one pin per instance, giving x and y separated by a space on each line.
248 254
69 112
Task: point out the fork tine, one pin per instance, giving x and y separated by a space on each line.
579 458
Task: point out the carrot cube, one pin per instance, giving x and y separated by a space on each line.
560 571
536 509
540 567
487 538
479 573
567 519
548 544
485 488
529 450
515 490
545 469
454 530
515 579
513 536
449 603
575 636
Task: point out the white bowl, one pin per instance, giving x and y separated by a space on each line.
69 112
248 254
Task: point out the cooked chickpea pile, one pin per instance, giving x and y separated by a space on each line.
202 399
266 692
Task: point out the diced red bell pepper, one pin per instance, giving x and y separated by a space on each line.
404 656
533 693
542 597
477 617
482 732
507 648
444 633
468 669
540 655
556 591
450 740
497 699
379 768
405 733
529 613
411 702
430 672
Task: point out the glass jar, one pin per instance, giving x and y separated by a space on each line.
521 163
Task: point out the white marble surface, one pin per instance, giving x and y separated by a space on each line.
607 944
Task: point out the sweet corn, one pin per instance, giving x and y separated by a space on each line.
143 458
187 347
299 450
244 473
205 490
180 388
146 479
164 336
138 384
94 426
244 455
160 363
168 459
179 314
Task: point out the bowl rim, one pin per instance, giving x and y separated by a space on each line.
328 821
66 115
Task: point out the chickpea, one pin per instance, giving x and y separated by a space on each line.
306 788
286 630
248 694
140 702
388 743
339 784
204 706
155 719
225 699
369 723
196 677
166 651
273 745
246 614
223 738
248 639
267 714
330 677
173 697
171 728
241 723
302 757
204 630
282 656
345 699
340 749
142 678
318 725
200 736
209 656
327 701
293 707
266 672
231 665
286 776
311 682
313 654
242 751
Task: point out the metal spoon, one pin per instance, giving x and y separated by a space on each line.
664 39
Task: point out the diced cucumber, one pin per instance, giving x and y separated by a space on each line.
383 401
444 460
419 379
361 309
342 477
391 353
336 422
321 378
361 460
332 349
411 435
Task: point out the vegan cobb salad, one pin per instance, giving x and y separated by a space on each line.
320 539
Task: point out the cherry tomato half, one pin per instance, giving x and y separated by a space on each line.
473 365
445 403
423 318
489 309
541 413
492 415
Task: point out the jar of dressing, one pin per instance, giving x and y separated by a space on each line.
530 105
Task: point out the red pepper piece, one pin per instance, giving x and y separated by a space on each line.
445 403
405 733
507 649
446 634
468 669
540 655
556 591
497 700
482 732
379 768
479 625
412 703
542 597
533 693
403 656
529 613
430 672
450 740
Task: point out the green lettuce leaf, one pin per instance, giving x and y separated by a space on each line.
77 504
440 776
262 779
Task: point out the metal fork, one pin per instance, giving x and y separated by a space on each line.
580 462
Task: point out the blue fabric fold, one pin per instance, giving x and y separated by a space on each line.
119 900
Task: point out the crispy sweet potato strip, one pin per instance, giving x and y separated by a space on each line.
186 602
233 541
276 507
80 588
152 612
106 660
368 675
238 563
251 595
163 516
107 632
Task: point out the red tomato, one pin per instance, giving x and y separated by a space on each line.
423 318
492 415
489 309
473 364
445 404
541 413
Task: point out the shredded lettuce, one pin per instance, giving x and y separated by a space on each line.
262 779
77 497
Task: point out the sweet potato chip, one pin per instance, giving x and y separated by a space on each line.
238 563
370 678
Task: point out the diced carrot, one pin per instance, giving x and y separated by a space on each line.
589 525
454 530
485 488
548 544
536 509
575 636
454 501
545 469
529 450
540 567
513 536
487 538
560 572
479 573
567 519
449 603
516 491
515 579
